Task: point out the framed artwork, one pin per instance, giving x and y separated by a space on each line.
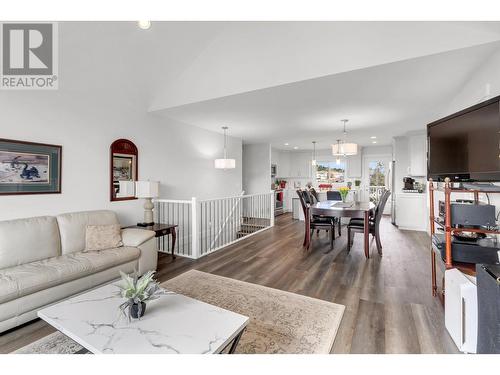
123 157
29 168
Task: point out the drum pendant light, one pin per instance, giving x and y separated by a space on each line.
225 163
342 147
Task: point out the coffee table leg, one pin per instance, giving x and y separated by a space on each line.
235 342
366 233
174 237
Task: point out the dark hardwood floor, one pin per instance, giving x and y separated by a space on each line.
389 306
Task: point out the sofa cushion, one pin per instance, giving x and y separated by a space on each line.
32 277
72 227
102 237
28 240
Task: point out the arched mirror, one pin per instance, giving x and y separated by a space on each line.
123 173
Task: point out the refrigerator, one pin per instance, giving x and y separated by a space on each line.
391 181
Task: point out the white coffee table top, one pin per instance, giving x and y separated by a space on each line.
172 324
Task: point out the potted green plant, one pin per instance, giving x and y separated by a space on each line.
137 290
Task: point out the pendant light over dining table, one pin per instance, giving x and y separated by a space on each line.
344 148
313 162
225 163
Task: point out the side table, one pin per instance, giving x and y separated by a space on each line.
162 230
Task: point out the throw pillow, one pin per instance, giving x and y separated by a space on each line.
101 237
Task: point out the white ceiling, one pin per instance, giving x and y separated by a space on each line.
275 81
382 101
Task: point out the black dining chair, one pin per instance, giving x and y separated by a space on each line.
357 225
315 194
314 223
333 195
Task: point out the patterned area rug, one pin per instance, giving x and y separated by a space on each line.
280 322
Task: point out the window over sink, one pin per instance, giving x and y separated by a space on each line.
330 172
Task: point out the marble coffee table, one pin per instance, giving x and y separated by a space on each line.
172 324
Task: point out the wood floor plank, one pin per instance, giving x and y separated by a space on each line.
369 331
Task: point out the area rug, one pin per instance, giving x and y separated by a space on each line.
280 322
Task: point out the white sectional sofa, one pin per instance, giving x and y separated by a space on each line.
42 261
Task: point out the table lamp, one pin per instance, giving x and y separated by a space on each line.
147 190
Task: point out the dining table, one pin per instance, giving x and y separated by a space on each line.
347 209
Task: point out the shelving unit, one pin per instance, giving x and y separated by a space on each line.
467 268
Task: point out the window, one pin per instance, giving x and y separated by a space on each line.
330 172
377 173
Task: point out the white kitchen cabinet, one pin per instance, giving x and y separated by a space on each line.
417 148
300 165
354 165
411 211
288 195
284 164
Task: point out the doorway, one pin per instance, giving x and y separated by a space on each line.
376 178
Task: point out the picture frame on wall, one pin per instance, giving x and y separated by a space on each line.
29 168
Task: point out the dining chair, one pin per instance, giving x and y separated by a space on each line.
333 195
357 225
314 193
314 223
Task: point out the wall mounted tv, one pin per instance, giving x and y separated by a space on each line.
466 145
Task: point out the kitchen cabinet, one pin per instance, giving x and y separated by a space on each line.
417 148
284 164
300 165
288 195
354 165
411 211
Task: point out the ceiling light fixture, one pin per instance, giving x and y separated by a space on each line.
144 25
373 137
287 144
313 162
225 163
342 147
295 148
374 142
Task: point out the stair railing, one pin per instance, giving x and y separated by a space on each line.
205 226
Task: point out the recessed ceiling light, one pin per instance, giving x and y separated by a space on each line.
373 137
295 148
286 144
374 142
144 24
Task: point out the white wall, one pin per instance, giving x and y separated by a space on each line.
179 156
256 168
474 92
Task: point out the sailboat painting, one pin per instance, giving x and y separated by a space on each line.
22 168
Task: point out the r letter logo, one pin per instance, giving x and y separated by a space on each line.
29 56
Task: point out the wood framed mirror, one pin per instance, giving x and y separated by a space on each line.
123 170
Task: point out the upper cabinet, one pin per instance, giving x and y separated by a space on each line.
417 148
354 165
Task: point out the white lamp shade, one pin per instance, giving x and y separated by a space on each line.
126 189
344 149
147 189
225 163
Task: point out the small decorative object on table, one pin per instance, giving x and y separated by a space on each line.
343 193
137 290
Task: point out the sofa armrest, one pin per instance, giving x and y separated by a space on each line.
135 237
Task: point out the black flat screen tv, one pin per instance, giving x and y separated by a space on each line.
466 145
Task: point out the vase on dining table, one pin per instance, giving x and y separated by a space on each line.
344 191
